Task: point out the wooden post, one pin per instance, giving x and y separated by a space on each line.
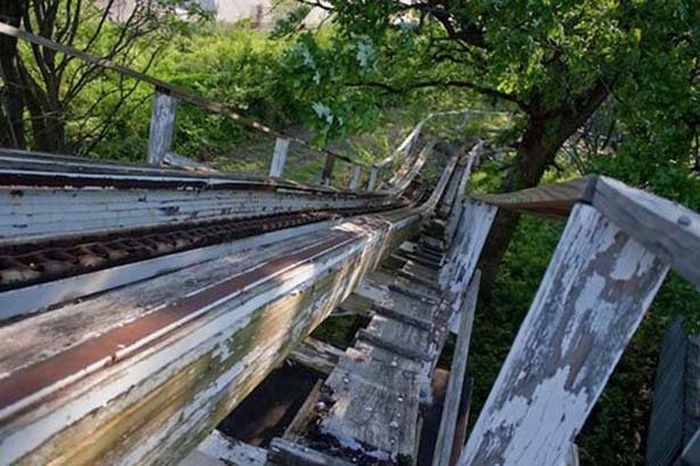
470 235
594 294
462 420
372 178
450 409
355 180
279 157
160 136
327 174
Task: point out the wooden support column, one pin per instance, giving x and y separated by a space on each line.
372 178
327 174
162 129
279 157
594 294
470 235
355 180
450 409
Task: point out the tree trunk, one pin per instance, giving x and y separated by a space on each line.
533 157
12 99
546 133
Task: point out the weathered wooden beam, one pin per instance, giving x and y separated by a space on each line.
162 129
666 435
571 458
35 213
402 316
669 230
409 168
371 184
279 157
457 203
464 251
35 298
24 168
593 296
220 450
355 179
458 369
289 453
174 160
552 200
181 93
150 369
317 355
327 173
292 432
691 452
462 421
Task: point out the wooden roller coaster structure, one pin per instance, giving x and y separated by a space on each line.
139 305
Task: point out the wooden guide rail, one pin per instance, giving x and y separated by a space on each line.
162 125
669 230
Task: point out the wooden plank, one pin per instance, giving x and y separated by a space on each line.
391 341
383 297
465 249
376 366
406 172
354 305
174 160
691 452
551 200
355 179
594 294
327 173
372 415
162 126
220 450
692 388
665 438
457 204
292 432
462 421
401 316
32 214
371 184
39 297
279 157
317 355
669 230
571 458
423 280
458 369
288 453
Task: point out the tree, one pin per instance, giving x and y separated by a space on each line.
555 62
11 111
49 81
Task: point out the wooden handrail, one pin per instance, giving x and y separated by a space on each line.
181 93
668 229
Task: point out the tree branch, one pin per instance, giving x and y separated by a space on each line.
441 83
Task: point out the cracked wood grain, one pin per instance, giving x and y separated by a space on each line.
594 294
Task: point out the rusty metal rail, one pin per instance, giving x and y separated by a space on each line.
27 264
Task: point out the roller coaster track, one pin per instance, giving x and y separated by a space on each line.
140 305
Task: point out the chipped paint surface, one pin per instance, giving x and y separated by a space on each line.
172 388
595 292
